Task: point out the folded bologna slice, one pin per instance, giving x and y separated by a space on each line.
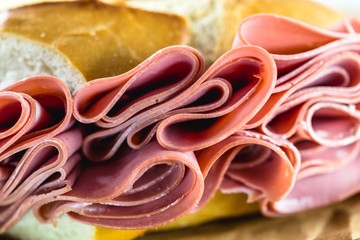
293 42
314 105
250 74
32 111
327 175
209 109
329 121
136 189
45 170
314 63
118 102
335 79
112 101
251 163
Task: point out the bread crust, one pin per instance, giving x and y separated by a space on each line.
99 40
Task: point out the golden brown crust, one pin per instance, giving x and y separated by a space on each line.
100 40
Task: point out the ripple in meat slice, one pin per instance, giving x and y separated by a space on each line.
112 101
327 175
251 75
292 42
315 63
251 163
216 105
329 121
335 77
135 189
45 170
33 110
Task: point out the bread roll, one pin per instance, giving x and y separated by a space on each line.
81 41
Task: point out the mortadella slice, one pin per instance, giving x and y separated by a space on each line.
329 175
44 170
315 105
329 121
314 63
118 104
102 144
329 73
251 74
216 105
251 163
292 42
37 109
337 76
112 101
135 189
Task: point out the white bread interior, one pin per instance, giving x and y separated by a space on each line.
34 58
94 42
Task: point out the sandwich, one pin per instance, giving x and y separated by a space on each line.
136 147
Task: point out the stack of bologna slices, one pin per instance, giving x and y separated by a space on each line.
276 117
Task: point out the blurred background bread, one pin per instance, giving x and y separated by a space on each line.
81 41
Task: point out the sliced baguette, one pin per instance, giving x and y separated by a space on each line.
81 41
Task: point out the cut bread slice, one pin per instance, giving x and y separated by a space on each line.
81 41
214 22
221 206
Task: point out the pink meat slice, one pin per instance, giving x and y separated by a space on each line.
112 101
251 74
103 143
330 121
322 183
314 104
292 42
34 109
45 170
216 105
311 61
250 163
335 76
135 189
118 104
